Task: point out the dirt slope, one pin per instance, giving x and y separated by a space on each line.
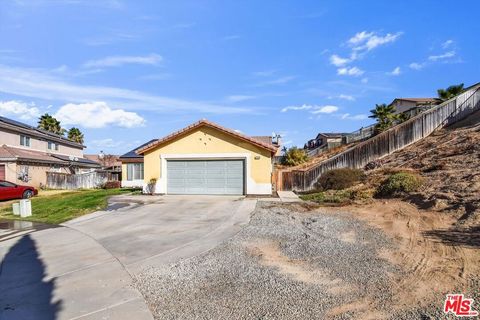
449 161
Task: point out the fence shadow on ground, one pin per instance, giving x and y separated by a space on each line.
24 294
465 237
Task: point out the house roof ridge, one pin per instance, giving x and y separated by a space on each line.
197 124
34 130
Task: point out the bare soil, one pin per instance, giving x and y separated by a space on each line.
449 162
436 259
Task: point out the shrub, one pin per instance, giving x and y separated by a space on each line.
295 156
401 182
112 184
339 179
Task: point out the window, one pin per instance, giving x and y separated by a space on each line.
25 141
52 145
134 171
6 184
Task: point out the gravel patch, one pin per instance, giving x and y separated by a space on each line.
287 263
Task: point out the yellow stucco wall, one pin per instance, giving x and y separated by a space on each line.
208 140
124 172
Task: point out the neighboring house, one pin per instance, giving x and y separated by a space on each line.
205 158
28 153
276 141
327 140
414 106
132 167
109 163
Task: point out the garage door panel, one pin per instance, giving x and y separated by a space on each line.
205 176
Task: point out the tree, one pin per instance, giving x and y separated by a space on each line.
75 134
49 123
295 156
450 92
385 116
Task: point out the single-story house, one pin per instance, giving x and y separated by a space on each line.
132 167
205 158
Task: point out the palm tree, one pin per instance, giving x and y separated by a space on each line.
385 116
49 123
450 92
76 135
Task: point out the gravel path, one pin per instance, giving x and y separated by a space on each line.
288 263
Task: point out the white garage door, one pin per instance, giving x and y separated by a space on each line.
205 177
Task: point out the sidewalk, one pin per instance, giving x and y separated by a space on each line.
60 273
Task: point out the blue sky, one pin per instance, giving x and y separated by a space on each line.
129 71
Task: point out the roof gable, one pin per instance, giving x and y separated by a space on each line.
205 123
132 153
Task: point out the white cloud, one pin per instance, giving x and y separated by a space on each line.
312 108
116 61
239 98
346 97
395 72
97 115
360 37
338 61
348 116
19 109
446 55
416 65
232 37
325 109
296 108
280 80
41 84
107 143
364 80
155 76
370 40
353 71
265 73
447 44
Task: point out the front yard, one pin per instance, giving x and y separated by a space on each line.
55 207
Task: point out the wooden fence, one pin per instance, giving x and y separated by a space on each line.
88 180
386 142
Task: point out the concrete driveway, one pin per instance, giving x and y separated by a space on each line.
83 269
143 231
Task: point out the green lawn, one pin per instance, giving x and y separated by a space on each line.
61 207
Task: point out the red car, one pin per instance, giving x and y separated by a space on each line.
10 190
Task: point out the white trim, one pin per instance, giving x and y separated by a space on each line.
132 183
251 186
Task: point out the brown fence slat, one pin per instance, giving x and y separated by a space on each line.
88 180
386 142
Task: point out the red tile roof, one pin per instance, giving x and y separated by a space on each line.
272 148
7 152
264 139
12 153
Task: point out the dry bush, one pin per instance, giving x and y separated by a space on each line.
339 179
399 183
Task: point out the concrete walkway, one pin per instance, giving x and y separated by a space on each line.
61 273
83 269
288 196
